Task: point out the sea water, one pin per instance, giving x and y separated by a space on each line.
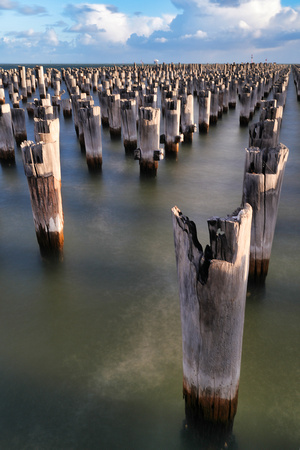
90 348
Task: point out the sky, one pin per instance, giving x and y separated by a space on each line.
128 31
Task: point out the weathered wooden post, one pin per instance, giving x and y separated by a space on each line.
90 118
280 93
114 115
19 125
66 104
245 100
7 145
226 98
80 101
149 152
22 73
41 82
2 95
204 110
103 102
212 291
47 131
253 98
15 98
15 82
214 105
264 134
128 121
221 100
187 125
42 168
172 136
270 111
296 74
263 177
150 100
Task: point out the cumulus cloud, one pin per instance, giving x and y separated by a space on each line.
236 22
114 26
217 27
31 38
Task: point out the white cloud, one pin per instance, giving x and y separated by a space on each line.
214 29
162 40
115 26
243 25
51 37
198 35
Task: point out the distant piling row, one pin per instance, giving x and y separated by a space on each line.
296 74
217 88
134 102
263 176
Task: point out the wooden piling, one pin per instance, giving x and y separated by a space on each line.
149 152
47 130
19 125
23 83
103 102
2 96
128 122
15 98
263 177
42 167
172 135
90 119
187 125
245 100
264 134
66 104
7 146
212 291
41 82
204 110
214 105
114 115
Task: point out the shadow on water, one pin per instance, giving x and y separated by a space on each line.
256 292
8 165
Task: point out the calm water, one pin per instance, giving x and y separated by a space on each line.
91 348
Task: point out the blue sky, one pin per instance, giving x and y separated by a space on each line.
127 31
